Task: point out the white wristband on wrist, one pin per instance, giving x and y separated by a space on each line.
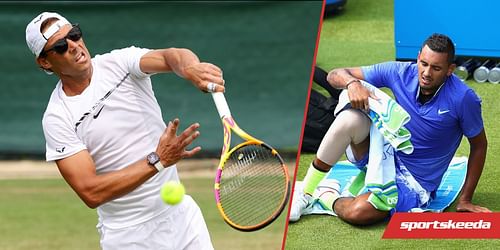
154 160
159 166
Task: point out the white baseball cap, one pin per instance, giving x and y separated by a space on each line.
35 39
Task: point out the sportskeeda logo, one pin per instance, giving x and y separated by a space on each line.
443 226
450 224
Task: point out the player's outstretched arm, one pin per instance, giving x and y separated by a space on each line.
95 189
185 64
477 156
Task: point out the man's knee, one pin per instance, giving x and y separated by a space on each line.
354 123
355 214
361 212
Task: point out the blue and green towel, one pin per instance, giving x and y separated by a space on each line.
380 177
387 115
449 189
387 135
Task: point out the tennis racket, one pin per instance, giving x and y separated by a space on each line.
252 184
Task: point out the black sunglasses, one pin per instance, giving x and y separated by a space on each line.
61 45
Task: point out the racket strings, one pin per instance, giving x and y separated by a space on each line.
253 185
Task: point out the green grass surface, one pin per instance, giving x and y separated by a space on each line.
363 35
47 215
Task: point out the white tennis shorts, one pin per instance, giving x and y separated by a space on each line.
182 227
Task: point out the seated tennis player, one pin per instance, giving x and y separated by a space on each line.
442 110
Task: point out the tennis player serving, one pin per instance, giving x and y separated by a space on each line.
104 129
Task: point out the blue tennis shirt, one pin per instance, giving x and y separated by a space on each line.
437 126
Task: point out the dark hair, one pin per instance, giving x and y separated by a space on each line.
442 44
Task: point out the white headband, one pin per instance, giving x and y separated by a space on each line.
34 37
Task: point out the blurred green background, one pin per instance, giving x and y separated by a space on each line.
264 48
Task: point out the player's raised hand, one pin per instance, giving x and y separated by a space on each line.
172 148
205 76
358 95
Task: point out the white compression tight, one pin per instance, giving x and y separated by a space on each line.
350 126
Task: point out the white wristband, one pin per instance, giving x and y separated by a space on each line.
159 166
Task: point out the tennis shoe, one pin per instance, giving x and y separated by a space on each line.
301 204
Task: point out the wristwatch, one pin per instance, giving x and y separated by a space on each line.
154 160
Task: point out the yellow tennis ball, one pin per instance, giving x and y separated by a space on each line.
172 192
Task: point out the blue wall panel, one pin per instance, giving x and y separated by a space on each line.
472 25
